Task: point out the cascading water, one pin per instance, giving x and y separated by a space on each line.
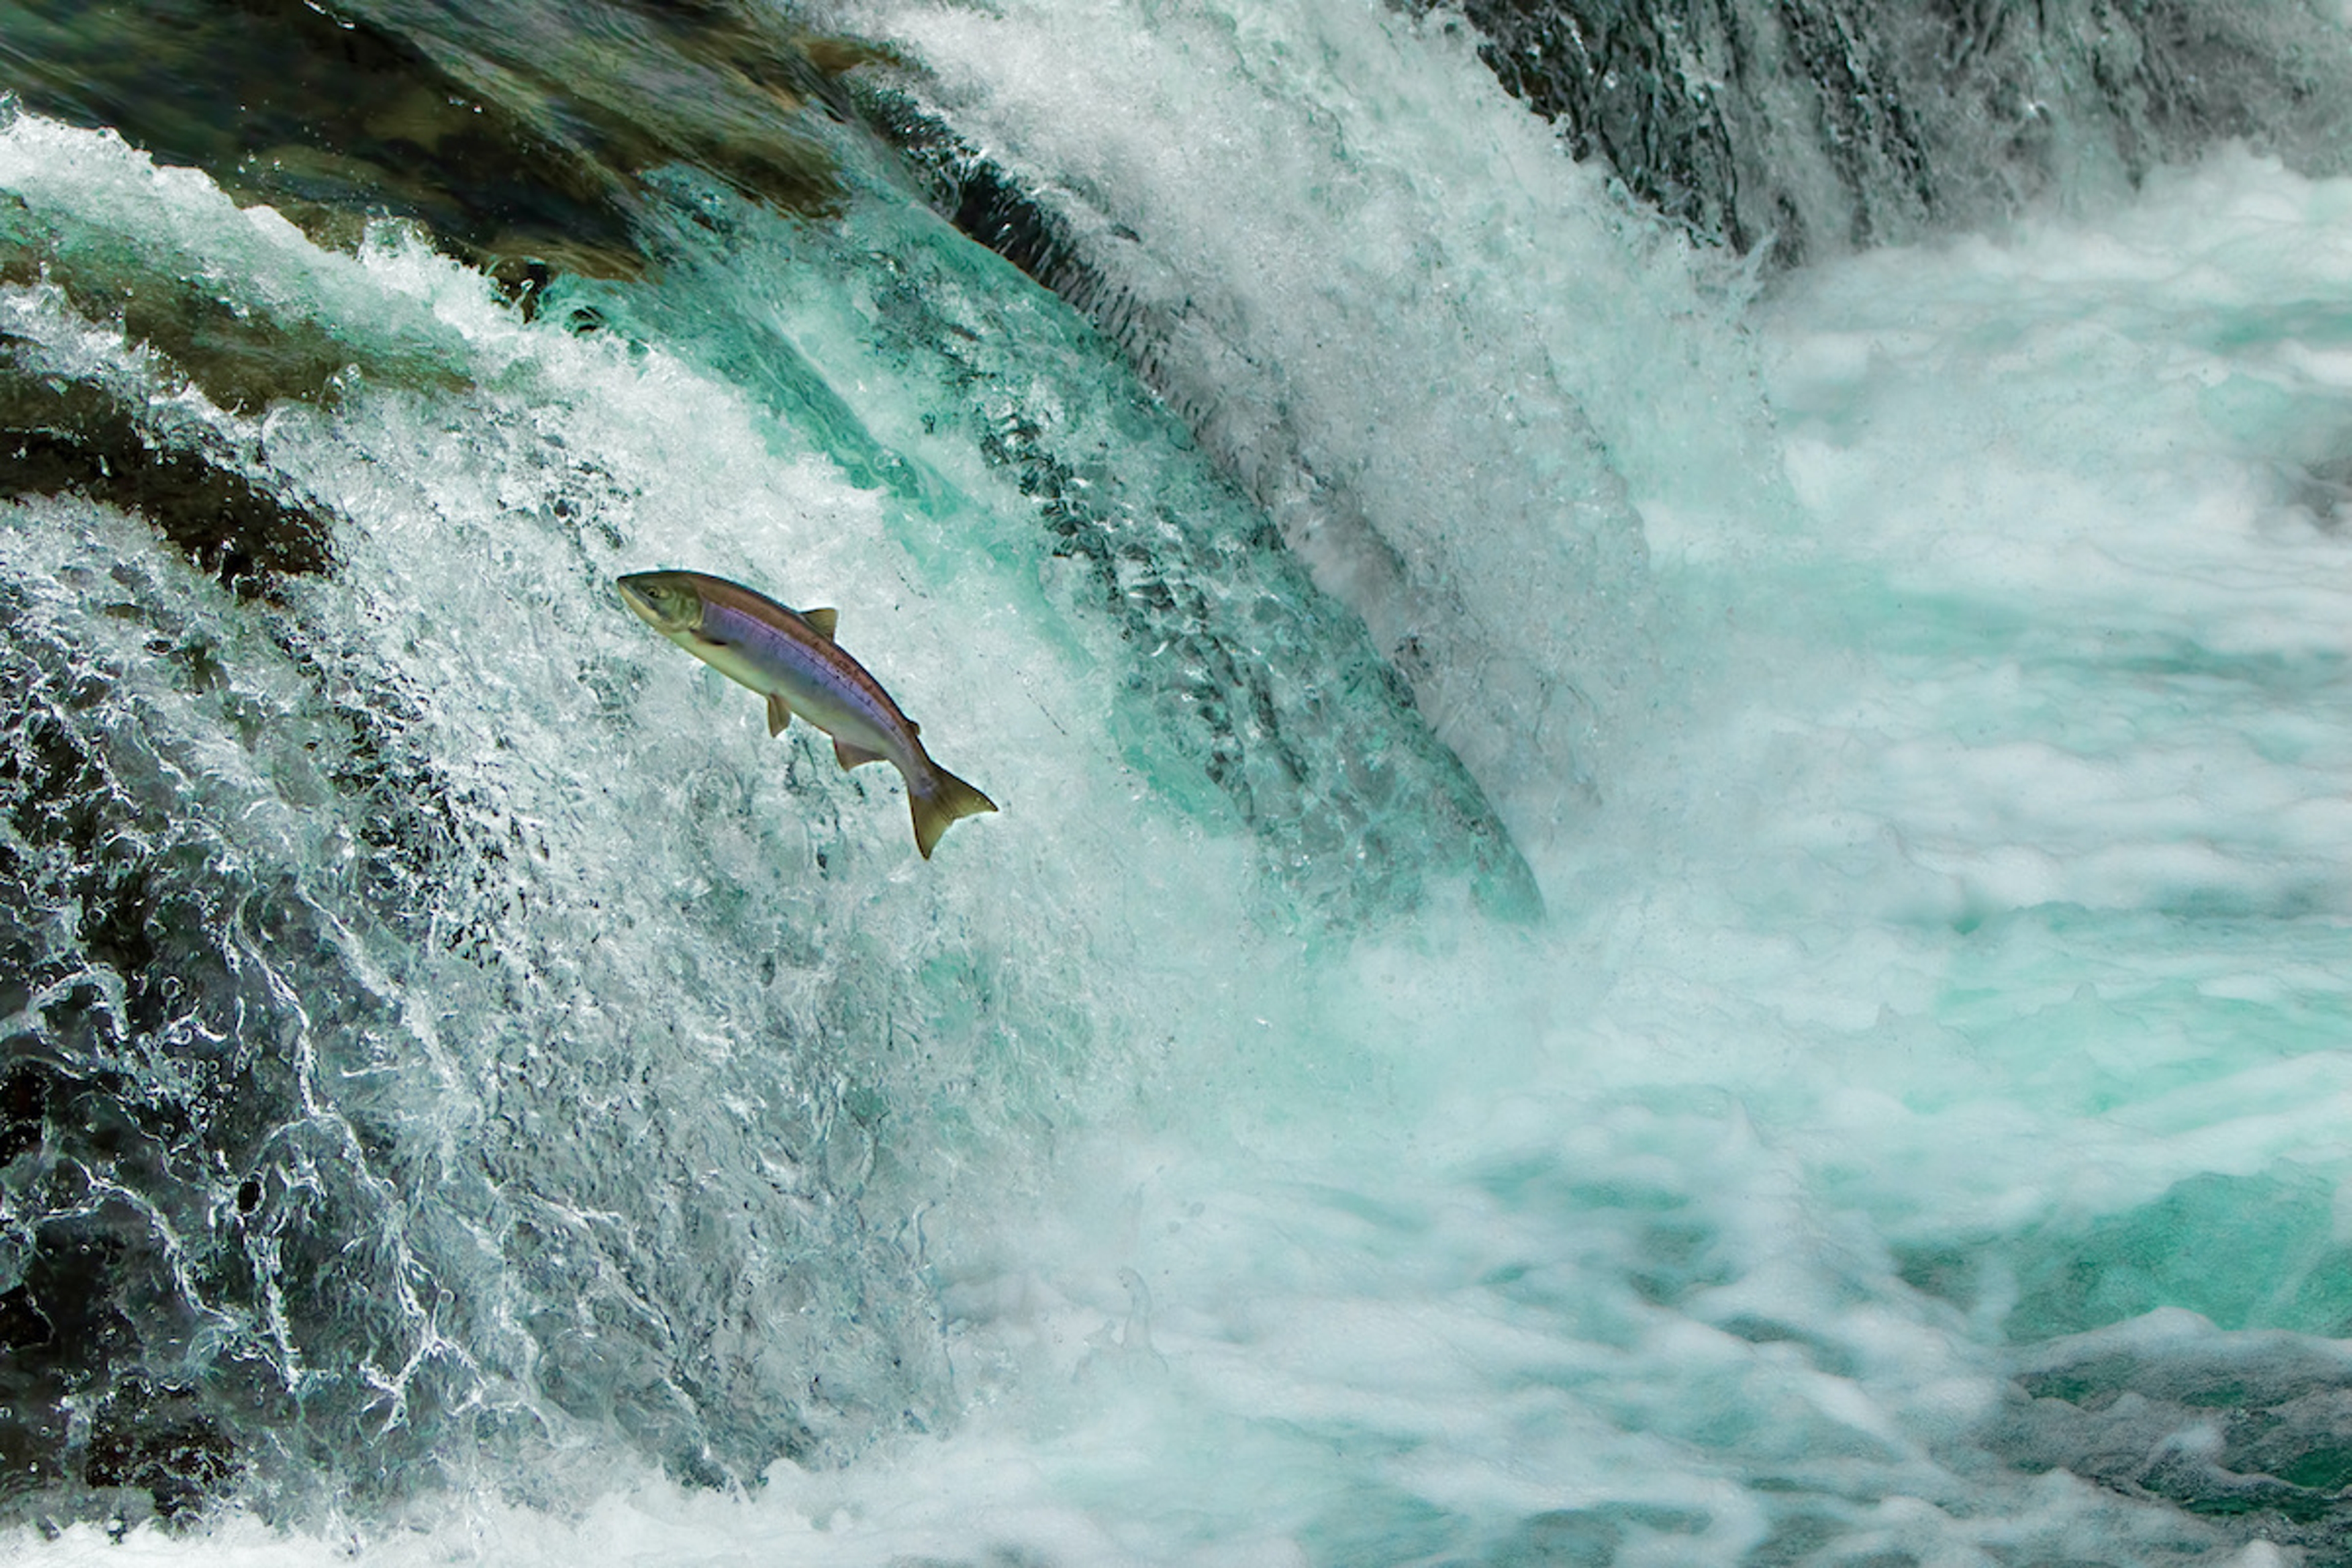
1651 905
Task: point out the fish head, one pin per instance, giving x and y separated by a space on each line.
666 601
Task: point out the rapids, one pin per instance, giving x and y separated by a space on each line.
1668 890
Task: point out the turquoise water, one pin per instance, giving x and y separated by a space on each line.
1641 915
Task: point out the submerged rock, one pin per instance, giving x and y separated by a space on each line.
1822 126
516 133
56 438
2252 1431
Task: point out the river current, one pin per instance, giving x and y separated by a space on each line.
1676 787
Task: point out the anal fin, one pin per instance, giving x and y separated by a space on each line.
850 756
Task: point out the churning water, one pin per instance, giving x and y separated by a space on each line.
1651 907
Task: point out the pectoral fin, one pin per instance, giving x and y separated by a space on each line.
850 756
778 714
821 622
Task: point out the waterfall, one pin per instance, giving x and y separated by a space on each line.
1667 691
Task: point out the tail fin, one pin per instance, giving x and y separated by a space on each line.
944 798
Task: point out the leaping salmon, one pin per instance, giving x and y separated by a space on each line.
789 656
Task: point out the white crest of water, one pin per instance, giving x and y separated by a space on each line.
1947 885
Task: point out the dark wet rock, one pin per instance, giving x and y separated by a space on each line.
160 1441
58 438
2251 1431
325 117
160 1169
991 205
516 132
23 1325
1823 125
1819 126
23 1095
242 346
109 429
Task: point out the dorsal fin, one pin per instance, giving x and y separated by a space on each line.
822 621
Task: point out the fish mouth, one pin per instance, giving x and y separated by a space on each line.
645 607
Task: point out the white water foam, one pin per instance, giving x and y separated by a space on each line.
1992 890
1372 282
